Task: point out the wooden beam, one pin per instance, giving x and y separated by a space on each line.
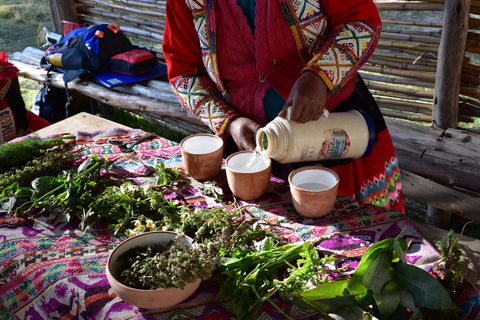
449 157
110 97
441 197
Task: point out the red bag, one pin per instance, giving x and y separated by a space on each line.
133 62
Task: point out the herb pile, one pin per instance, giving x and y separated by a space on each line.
253 265
23 161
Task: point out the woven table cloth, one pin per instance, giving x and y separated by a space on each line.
50 270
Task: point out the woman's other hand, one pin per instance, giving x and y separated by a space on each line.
243 131
307 98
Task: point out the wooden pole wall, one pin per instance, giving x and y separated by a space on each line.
449 64
62 10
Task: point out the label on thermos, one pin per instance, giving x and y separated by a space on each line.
336 144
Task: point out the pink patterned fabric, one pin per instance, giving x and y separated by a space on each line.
49 270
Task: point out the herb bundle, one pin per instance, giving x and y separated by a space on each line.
17 154
255 267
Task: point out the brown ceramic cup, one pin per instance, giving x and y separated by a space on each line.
202 155
314 190
248 174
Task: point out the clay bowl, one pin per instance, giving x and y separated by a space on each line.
148 299
248 174
314 190
202 155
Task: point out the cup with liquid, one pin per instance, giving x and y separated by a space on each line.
314 190
248 174
202 155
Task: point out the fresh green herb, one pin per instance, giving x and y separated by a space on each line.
251 278
17 154
70 191
448 270
214 235
52 161
167 176
211 189
384 285
158 267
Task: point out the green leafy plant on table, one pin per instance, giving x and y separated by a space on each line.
448 269
385 285
254 266
25 160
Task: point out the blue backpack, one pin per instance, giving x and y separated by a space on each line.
86 51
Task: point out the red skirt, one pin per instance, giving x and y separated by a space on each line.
375 178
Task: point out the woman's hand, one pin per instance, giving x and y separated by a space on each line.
307 98
243 131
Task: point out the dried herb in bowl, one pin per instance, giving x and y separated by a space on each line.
167 266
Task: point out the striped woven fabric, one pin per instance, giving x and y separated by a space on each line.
49 270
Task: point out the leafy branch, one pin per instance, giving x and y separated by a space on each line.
386 285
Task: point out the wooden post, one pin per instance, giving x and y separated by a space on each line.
450 61
62 10
447 83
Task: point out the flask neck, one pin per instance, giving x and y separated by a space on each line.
273 139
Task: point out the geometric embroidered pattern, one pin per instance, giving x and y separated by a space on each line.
50 270
350 44
307 23
384 189
192 92
335 62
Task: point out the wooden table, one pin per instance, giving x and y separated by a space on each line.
50 270
80 122
470 246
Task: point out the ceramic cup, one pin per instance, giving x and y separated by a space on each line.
248 174
202 155
314 190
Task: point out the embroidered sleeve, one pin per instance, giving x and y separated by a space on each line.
203 100
187 71
347 48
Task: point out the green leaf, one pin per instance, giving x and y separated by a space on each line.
331 296
408 302
425 289
43 184
348 313
399 247
372 252
388 299
87 164
379 271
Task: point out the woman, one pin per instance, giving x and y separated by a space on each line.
237 64
15 119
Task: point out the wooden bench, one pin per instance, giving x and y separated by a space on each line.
439 167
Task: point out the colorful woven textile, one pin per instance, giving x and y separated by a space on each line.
49 270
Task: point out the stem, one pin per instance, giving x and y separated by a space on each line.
279 310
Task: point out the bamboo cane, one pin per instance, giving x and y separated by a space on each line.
422 24
407 6
401 65
397 80
420 75
407 116
399 89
